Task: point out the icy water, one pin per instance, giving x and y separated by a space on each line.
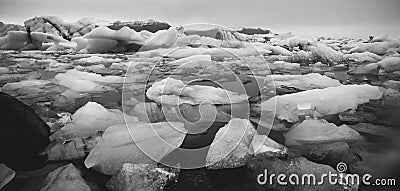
383 112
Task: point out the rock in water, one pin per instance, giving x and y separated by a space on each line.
141 177
263 166
231 145
320 102
90 119
66 178
23 135
135 143
313 131
6 175
331 154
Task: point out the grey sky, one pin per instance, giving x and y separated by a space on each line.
303 17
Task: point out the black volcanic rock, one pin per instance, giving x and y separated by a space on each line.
252 31
23 135
150 25
4 28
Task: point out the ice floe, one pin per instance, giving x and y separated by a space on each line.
175 92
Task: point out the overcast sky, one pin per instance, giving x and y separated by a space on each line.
337 18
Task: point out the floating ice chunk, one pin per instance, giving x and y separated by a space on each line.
40 37
363 57
123 34
231 145
384 38
325 54
79 75
145 34
84 86
331 100
91 118
303 82
161 39
92 59
379 48
14 40
175 92
390 64
26 83
313 131
57 67
6 175
100 45
135 143
193 61
262 143
275 49
214 52
283 64
81 43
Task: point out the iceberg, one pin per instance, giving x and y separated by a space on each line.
19 40
193 61
25 83
80 75
84 86
325 54
214 52
135 143
123 34
303 82
313 131
231 145
262 144
175 92
91 118
390 64
363 57
161 39
320 102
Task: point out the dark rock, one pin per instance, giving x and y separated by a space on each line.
331 154
263 163
150 25
252 31
23 135
142 177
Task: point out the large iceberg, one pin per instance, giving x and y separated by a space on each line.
175 92
21 40
135 143
313 131
90 119
320 102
